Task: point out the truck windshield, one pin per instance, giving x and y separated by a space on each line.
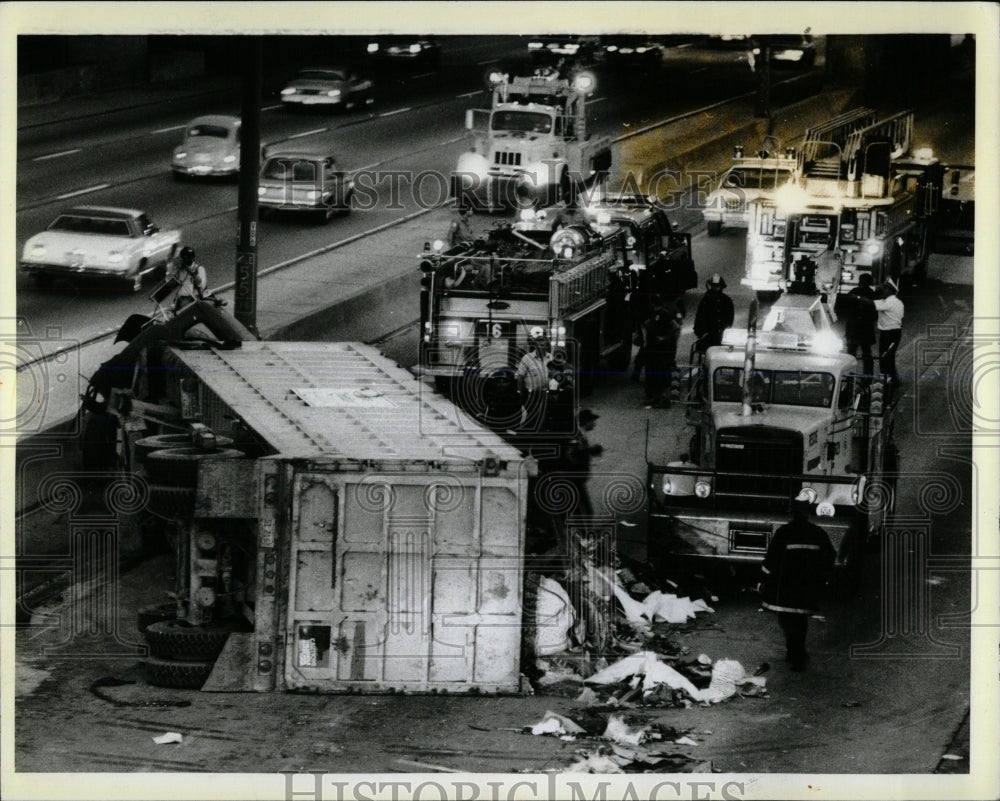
755 178
529 121
784 387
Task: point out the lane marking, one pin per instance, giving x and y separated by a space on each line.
272 108
96 188
700 69
57 155
470 94
596 100
168 130
397 111
488 61
308 133
423 75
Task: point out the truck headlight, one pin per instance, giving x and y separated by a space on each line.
180 155
826 342
261 191
825 509
806 495
333 93
667 486
415 48
288 90
373 47
472 166
873 248
702 489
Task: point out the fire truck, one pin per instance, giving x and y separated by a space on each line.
532 146
863 201
482 304
770 415
336 528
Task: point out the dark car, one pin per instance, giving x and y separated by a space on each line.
303 180
632 51
328 87
423 52
550 49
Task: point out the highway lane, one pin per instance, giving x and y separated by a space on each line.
403 140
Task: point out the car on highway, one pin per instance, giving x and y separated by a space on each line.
211 147
102 242
338 88
553 48
301 180
401 51
632 51
796 51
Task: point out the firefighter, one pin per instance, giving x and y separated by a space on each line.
715 314
860 328
460 231
890 328
532 373
663 331
796 568
191 278
579 452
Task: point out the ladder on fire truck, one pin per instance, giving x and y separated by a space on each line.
833 149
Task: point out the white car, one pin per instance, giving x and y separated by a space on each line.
120 245
747 180
211 146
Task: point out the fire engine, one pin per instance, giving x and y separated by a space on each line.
532 146
769 415
482 303
863 200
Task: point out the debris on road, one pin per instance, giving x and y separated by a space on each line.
553 723
169 737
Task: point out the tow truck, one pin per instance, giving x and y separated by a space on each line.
482 302
766 416
863 201
532 146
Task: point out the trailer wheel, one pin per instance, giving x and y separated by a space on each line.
155 613
158 442
176 639
171 503
714 227
178 467
177 675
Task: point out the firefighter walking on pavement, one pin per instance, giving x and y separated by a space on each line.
796 568
715 314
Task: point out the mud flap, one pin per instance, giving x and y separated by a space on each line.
232 671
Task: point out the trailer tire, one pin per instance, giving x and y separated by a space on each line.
178 467
176 639
158 442
171 503
155 613
176 675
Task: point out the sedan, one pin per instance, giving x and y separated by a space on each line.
211 147
300 180
632 51
121 245
329 87
421 51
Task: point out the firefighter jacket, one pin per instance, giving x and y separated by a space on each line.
796 568
860 327
715 313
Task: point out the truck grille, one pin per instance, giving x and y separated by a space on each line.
506 159
755 462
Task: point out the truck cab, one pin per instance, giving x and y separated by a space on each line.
772 414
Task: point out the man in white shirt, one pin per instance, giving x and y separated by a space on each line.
890 328
191 278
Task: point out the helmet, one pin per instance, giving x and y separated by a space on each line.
187 255
716 281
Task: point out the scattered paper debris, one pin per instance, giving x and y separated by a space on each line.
618 731
169 737
686 741
952 756
554 618
554 723
588 696
595 763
